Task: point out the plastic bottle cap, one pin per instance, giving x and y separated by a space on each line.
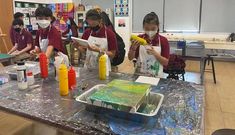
71 70
30 74
43 55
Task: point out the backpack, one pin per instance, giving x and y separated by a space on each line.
176 63
121 51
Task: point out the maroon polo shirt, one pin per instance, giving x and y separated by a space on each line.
111 37
13 35
165 49
54 37
23 39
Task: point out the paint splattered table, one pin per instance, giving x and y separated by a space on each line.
181 111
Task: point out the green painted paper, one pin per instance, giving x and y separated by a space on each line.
121 94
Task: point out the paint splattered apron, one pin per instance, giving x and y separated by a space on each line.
147 64
92 57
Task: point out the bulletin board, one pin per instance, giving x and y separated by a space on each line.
28 9
62 12
121 8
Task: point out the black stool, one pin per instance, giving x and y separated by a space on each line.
209 59
224 132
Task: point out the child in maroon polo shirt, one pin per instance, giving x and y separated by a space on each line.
48 38
151 58
13 33
24 40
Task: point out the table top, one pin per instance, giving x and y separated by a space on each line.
181 112
217 45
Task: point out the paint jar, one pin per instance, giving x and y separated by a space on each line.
21 76
30 78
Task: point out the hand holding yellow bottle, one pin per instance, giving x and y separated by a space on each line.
141 40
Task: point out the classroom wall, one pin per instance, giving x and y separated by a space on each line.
218 16
104 4
46 1
182 15
6 16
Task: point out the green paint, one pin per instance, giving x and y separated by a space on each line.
120 94
147 109
155 67
92 101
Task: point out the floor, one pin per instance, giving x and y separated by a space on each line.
219 110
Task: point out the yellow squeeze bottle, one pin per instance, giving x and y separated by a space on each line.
102 67
141 40
63 80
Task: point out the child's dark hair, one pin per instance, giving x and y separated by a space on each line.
17 22
151 18
72 22
17 15
93 14
43 12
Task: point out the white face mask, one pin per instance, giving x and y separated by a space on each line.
44 23
151 34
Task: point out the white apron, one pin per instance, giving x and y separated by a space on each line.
92 58
147 64
43 43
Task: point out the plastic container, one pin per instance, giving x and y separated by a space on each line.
30 78
72 78
21 76
43 65
102 67
63 80
155 99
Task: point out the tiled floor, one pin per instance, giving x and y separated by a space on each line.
220 97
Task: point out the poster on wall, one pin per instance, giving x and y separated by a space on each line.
28 9
121 8
62 12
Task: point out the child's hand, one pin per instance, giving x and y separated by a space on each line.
151 51
94 48
135 44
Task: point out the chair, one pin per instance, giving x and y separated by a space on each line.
175 68
224 132
210 58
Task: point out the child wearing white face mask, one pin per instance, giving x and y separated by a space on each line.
48 38
151 59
